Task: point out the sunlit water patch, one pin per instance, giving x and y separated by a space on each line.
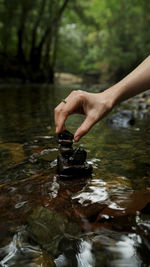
94 192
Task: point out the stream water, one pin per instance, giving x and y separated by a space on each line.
44 221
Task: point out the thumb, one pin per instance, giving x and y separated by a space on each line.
84 128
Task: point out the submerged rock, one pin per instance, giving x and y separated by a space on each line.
123 118
47 228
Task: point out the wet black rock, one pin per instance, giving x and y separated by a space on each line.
71 162
66 152
123 118
65 143
67 170
65 135
78 157
65 138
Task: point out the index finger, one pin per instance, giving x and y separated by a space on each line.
63 110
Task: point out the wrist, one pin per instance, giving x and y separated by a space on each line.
109 98
115 94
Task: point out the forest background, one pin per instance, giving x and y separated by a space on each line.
100 38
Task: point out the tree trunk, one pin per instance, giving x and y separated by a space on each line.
20 33
48 36
34 31
20 53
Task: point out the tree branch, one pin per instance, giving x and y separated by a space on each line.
54 22
36 25
83 17
64 5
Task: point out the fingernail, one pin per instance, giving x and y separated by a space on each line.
77 138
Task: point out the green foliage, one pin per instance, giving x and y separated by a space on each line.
29 31
93 36
111 39
124 44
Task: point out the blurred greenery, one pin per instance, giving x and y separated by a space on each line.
101 38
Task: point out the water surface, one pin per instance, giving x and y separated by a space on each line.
100 221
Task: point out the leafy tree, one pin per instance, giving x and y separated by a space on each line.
102 37
29 32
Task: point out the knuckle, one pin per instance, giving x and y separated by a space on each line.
81 93
73 92
76 92
81 96
56 110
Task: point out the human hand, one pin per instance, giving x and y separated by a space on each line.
93 105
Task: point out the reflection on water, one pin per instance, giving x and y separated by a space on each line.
93 192
100 221
122 247
82 257
20 253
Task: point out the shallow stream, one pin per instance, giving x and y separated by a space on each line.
44 221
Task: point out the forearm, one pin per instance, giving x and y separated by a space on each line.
97 106
134 83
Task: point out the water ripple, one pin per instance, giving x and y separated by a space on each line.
95 191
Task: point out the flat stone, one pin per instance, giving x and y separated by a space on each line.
65 135
78 157
66 152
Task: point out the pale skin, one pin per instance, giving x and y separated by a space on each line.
96 106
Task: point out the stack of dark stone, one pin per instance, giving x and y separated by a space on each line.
71 163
